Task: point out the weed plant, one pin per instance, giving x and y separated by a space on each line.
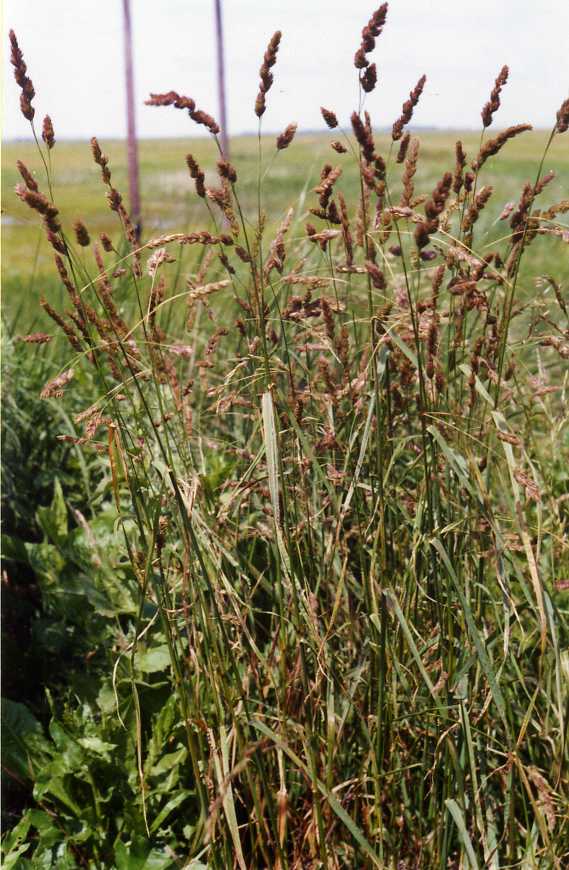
336 462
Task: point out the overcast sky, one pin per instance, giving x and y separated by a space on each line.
73 49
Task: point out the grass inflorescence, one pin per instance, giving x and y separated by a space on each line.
333 455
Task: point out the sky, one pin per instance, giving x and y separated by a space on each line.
74 53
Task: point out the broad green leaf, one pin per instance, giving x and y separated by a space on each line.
169 807
24 746
97 746
14 845
154 659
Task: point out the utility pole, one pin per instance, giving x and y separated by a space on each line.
221 79
133 173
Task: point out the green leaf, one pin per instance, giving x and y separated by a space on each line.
14 549
170 760
24 746
458 817
97 746
53 519
138 855
153 660
171 805
13 845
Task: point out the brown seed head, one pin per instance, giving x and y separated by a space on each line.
369 34
72 338
368 78
364 136
81 234
479 203
493 103
493 146
286 137
106 242
35 199
47 132
435 205
242 254
171 98
360 59
409 172
114 199
543 182
378 19
29 180
328 179
206 120
22 79
563 117
101 160
269 60
338 147
407 110
403 146
329 117
226 170
36 338
376 275
346 234
56 242
197 175
459 166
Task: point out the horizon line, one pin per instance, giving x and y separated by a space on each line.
433 128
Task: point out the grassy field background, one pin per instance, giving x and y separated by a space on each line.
171 205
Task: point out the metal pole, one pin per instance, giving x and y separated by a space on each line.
133 173
221 79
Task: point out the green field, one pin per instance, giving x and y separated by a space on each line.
171 205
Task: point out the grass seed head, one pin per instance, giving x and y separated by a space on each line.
227 170
265 74
460 163
370 33
29 180
101 160
403 146
368 78
364 137
22 79
563 117
81 234
493 146
493 103
407 110
106 242
197 174
329 117
338 147
47 132
286 137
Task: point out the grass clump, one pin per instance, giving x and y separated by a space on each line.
333 457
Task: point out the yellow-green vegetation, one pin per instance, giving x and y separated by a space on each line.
287 502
